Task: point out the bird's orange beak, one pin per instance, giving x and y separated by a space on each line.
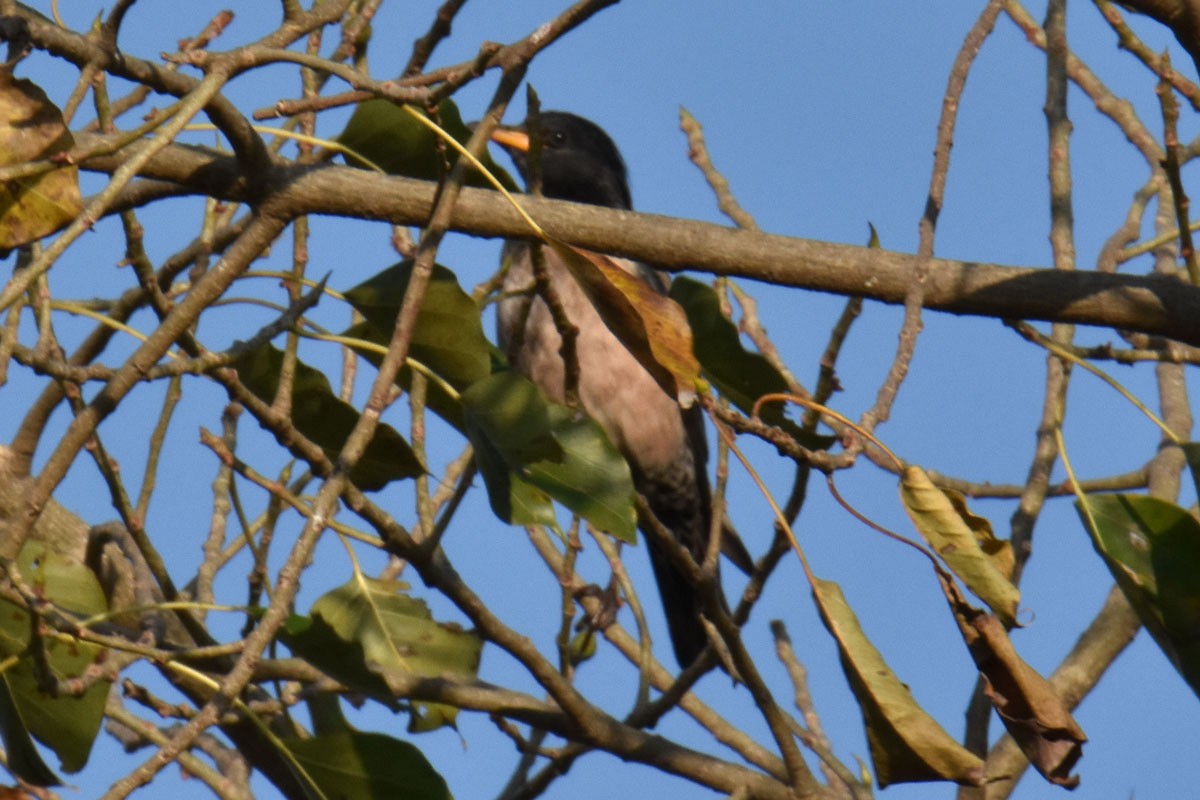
511 139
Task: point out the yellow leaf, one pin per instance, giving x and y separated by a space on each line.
906 743
32 129
953 538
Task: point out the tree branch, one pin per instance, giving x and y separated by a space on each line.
1149 304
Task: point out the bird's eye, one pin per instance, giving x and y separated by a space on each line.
557 138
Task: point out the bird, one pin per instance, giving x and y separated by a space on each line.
664 444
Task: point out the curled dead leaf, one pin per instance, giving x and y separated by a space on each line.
1035 716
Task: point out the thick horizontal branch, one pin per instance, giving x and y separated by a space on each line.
1150 304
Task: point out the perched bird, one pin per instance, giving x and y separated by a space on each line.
663 443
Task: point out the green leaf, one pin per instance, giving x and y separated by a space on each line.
448 337
509 412
441 402
67 725
513 499
367 766
1152 548
316 641
907 745
24 760
740 375
63 580
530 450
325 419
398 638
507 408
383 133
593 479
1191 451
958 540
582 646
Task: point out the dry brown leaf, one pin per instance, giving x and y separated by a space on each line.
907 745
651 325
1033 713
32 129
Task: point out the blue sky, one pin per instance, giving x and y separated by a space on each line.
822 117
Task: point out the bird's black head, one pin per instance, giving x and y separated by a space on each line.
579 161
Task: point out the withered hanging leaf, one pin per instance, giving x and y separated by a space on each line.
32 129
1034 714
651 325
907 745
953 537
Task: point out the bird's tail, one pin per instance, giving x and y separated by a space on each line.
681 605
680 499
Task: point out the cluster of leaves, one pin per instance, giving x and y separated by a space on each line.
534 456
